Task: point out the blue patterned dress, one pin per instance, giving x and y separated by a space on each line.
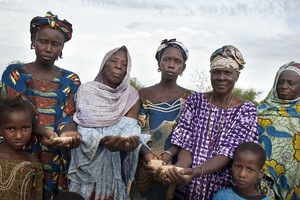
54 102
157 119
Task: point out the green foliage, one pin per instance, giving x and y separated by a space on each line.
247 94
135 83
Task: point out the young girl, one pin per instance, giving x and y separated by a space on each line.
247 170
21 173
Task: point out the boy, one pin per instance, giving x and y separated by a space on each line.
247 169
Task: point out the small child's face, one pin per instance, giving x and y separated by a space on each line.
246 171
17 129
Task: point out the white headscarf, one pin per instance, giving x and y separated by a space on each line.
99 105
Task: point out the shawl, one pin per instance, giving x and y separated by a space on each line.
279 133
99 105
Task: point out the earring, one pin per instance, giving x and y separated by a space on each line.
31 46
60 55
158 70
180 74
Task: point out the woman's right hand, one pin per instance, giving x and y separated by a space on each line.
118 143
150 170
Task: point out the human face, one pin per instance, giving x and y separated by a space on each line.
223 80
246 172
171 63
16 129
288 85
115 69
48 44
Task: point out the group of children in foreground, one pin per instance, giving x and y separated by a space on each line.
17 119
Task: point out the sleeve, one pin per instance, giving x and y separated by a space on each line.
183 136
70 103
242 129
13 82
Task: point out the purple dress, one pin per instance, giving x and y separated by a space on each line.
227 129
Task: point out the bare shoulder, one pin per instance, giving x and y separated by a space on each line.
148 91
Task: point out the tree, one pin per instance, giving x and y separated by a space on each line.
247 94
135 83
202 81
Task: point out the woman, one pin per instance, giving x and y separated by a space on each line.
210 127
103 166
160 108
51 91
279 132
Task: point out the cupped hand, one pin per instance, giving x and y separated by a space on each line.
177 177
76 139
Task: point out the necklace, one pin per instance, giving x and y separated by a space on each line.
210 127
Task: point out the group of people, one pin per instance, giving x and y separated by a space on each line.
98 140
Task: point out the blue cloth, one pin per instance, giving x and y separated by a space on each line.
228 193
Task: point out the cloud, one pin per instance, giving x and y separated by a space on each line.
267 33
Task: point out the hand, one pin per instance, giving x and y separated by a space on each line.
48 137
60 144
151 171
131 143
76 139
166 158
177 177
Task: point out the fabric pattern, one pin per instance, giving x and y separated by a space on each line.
51 21
54 102
21 180
227 57
228 193
158 120
279 134
191 133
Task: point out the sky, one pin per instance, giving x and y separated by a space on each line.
266 32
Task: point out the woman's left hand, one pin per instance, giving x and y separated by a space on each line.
177 177
131 143
74 142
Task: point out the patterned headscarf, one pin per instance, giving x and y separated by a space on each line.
171 43
51 21
99 105
292 66
227 57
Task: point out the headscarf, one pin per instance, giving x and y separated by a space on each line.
227 57
99 105
51 21
171 43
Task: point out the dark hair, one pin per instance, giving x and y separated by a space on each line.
68 196
254 148
16 104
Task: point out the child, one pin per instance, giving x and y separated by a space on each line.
247 169
21 173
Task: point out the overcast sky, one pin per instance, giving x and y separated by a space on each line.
266 32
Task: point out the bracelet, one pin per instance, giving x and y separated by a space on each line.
167 152
201 170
